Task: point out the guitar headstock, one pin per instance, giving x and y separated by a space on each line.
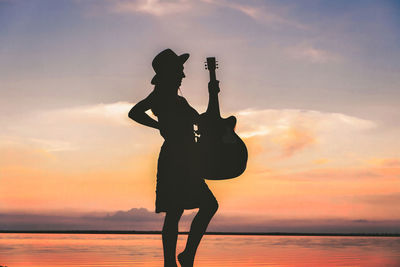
211 64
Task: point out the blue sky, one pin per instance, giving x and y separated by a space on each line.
344 51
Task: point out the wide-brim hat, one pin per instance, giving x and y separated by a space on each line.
166 61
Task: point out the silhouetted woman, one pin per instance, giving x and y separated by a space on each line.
179 185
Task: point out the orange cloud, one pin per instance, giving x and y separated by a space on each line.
321 161
391 162
385 162
293 140
287 132
254 145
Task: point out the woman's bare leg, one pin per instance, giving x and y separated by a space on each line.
197 230
170 236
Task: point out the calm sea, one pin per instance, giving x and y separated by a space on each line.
43 250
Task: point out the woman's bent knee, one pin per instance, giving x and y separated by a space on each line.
215 206
210 207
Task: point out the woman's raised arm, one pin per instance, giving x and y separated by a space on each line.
138 112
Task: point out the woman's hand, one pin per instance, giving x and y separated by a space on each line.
213 87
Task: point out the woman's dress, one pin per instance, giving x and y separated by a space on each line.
179 185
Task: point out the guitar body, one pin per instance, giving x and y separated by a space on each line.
223 155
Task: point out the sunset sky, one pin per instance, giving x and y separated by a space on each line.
315 87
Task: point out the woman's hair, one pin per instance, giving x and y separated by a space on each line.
159 98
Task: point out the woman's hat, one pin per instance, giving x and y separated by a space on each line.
166 61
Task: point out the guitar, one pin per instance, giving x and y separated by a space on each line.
223 155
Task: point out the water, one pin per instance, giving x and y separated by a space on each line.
87 250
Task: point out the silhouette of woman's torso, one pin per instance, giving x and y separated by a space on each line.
176 118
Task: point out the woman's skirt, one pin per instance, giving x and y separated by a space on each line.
179 185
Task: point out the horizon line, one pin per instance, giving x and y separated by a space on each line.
185 233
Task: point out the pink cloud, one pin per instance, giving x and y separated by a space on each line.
294 140
151 7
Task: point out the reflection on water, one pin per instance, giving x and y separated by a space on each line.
222 251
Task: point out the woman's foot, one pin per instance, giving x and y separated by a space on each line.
185 260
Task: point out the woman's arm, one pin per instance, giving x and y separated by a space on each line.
137 113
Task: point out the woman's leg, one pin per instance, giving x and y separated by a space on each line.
170 236
197 230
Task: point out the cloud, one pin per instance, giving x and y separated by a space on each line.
311 54
268 15
151 7
111 113
387 162
159 8
134 214
344 174
245 9
70 129
143 219
320 161
266 121
382 200
294 140
294 130
52 145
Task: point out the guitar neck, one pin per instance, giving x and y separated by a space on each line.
213 102
213 76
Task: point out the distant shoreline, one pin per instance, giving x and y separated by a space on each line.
185 233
